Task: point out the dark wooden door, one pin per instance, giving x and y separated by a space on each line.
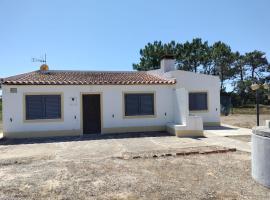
91 114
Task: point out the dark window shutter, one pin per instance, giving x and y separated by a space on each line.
147 104
52 106
139 104
34 107
131 104
43 107
198 101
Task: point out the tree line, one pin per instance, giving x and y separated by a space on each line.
236 71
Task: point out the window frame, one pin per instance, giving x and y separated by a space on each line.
139 116
25 120
207 103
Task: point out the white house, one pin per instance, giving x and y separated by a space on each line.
59 103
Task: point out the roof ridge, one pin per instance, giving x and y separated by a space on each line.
61 77
93 71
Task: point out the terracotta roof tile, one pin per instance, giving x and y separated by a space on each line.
55 77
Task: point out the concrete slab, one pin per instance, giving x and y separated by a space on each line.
226 130
100 148
228 142
97 149
220 136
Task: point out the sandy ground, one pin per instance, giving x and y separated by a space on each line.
243 120
90 169
244 138
214 176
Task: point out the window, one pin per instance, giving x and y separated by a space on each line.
198 101
139 104
43 107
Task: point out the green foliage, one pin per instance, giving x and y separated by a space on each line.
257 63
196 56
251 67
222 59
152 54
216 59
192 55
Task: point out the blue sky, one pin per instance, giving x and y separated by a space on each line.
107 35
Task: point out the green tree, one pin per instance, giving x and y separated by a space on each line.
207 64
240 77
151 55
191 55
222 62
249 67
218 59
257 63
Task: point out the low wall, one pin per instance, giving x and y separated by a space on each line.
193 128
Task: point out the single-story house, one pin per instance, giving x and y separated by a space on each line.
47 102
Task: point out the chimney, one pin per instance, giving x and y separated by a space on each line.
167 63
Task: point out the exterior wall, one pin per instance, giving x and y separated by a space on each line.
180 111
171 108
193 82
113 120
184 125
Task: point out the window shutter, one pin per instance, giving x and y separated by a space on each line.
43 107
34 107
131 104
198 101
52 106
192 101
139 104
147 104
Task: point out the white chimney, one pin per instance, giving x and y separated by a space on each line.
167 63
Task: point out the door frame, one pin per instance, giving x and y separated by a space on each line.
81 109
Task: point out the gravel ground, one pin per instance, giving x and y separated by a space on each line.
244 138
212 176
243 120
86 170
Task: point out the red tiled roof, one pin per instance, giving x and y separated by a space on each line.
55 77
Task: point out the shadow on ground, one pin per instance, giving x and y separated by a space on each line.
85 137
218 128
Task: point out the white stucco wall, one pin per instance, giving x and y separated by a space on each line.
112 104
193 82
170 99
180 111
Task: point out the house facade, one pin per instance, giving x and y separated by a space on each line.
48 103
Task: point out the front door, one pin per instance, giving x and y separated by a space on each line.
91 114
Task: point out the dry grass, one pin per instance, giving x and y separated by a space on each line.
92 169
243 120
213 176
265 110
